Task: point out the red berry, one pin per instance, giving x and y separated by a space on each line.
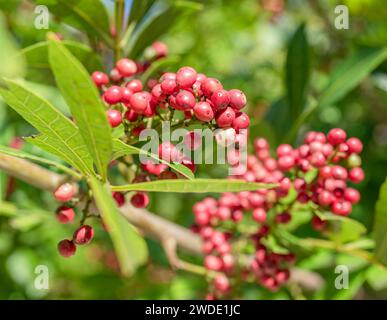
115 75
338 172
134 85
114 117
259 215
126 94
225 117
168 75
325 198
160 48
285 163
210 85
336 136
193 140
140 200
139 101
220 99
113 95
283 217
119 198
213 263
131 116
185 100
356 175
342 208
284 150
318 224
168 86
354 145
83 235
352 195
167 175
237 99
203 111
64 193
221 283
66 248
188 163
168 152
126 67
65 214
100 79
241 121
202 218
186 77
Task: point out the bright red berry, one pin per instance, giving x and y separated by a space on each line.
113 95
64 193
213 263
139 101
241 121
352 195
237 99
354 145
342 208
220 99
356 175
140 200
221 283
336 136
83 235
203 111
115 75
131 116
119 198
186 77
134 85
225 117
210 85
168 86
160 49
185 100
100 79
66 248
126 67
65 214
114 117
259 215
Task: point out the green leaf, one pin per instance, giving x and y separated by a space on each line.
59 135
39 68
85 103
87 15
12 64
194 186
278 117
343 229
380 225
120 149
138 9
162 18
130 247
377 277
350 72
157 66
25 155
297 71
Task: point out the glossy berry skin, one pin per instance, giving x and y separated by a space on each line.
65 214
259 215
241 121
318 224
336 136
356 175
160 49
64 193
213 263
210 85
225 117
114 117
221 283
168 152
285 163
113 95
140 200
352 195
119 198
342 208
134 85
66 248
237 99
83 235
100 79
126 94
126 67
203 111
220 99
354 145
139 101
168 86
131 116
186 77
185 100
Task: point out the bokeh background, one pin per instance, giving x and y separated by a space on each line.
244 43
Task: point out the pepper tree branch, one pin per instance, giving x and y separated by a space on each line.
169 234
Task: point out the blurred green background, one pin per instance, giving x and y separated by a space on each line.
244 43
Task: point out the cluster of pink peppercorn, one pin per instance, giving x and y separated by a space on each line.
334 162
65 214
